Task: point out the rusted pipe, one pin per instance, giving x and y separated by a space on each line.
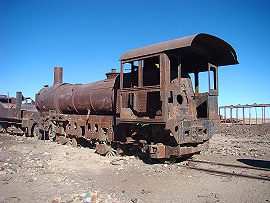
19 104
58 75
236 116
244 116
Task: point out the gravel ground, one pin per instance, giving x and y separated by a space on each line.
43 171
238 140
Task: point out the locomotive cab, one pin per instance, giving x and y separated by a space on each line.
161 90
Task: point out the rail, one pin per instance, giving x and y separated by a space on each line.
191 165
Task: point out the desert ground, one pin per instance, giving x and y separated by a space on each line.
43 171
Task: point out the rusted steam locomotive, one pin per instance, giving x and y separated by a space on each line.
153 104
17 117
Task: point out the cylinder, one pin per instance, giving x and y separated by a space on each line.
58 75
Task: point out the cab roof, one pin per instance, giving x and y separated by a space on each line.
222 52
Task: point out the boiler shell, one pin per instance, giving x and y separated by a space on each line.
96 97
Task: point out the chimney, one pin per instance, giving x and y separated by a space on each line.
58 75
112 74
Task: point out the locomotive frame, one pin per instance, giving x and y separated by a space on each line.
154 104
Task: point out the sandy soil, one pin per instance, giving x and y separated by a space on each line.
43 171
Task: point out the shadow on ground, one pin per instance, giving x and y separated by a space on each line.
255 163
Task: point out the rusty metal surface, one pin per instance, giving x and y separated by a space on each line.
17 117
150 105
224 53
113 74
58 75
98 97
45 98
160 151
19 104
189 117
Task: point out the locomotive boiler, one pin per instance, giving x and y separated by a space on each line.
159 103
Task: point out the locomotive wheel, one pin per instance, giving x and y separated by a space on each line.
111 153
105 149
51 134
36 133
173 159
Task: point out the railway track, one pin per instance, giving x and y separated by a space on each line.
229 169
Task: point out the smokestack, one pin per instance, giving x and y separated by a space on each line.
58 75
112 74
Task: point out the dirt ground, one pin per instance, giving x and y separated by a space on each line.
44 171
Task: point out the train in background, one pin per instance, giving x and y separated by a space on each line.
154 104
18 115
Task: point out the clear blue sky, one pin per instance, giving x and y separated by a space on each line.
87 38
